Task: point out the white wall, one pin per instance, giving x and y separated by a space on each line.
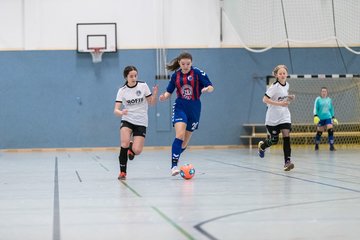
51 24
11 24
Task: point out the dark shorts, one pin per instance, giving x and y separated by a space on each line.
275 130
137 130
324 122
188 113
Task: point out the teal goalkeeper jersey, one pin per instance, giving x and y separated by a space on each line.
323 108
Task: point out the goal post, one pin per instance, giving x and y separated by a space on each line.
344 90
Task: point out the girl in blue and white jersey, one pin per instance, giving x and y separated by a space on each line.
190 82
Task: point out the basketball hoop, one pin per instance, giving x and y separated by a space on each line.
96 54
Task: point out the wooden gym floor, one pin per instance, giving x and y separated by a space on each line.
234 195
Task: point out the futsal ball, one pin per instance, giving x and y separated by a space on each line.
187 171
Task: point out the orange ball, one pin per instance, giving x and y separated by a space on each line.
187 171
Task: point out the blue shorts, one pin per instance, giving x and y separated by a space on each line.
188 112
325 122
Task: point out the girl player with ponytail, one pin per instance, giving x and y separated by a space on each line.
190 82
132 106
278 118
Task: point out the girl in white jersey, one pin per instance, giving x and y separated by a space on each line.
132 106
278 118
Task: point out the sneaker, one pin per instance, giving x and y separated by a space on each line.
288 165
332 148
260 150
122 176
316 147
131 154
174 171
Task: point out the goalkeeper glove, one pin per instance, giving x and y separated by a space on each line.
316 119
335 121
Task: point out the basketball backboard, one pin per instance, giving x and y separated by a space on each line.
92 36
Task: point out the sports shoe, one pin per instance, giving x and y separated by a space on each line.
316 147
332 148
260 150
131 154
122 176
288 165
174 171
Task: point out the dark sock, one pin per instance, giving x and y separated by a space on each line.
176 152
331 136
318 137
123 159
286 148
267 143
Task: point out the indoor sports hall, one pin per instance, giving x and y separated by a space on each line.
61 67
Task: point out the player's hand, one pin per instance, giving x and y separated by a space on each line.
124 111
335 121
208 89
205 89
284 103
155 90
316 120
162 97
291 97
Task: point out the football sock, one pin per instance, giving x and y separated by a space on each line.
318 137
175 152
286 148
123 159
331 136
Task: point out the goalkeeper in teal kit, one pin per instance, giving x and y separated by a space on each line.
324 118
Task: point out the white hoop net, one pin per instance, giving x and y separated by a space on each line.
96 54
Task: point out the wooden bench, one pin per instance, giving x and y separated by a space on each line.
306 132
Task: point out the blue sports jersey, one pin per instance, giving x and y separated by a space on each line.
188 86
187 106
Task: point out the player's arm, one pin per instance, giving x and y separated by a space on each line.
268 100
205 81
208 89
169 90
291 97
117 109
334 120
164 96
331 109
315 111
153 97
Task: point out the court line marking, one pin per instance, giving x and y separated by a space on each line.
287 176
78 175
309 168
163 215
56 210
211 237
104 167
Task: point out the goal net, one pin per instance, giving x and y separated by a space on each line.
344 90
261 25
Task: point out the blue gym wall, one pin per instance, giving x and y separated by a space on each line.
56 99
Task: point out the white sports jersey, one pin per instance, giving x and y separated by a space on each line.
276 115
134 100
